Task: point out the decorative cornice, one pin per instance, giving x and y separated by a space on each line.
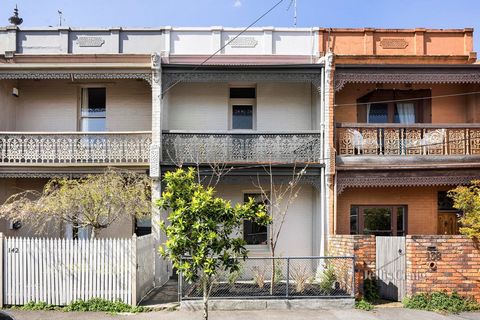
343 77
75 76
365 181
169 78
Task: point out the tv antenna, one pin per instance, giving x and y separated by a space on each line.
60 17
294 3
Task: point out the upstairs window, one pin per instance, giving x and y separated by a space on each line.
395 106
242 106
93 109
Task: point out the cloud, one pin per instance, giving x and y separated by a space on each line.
237 3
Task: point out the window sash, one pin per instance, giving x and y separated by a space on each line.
394 228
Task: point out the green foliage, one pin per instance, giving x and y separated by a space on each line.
370 290
467 200
38 306
235 275
364 305
278 271
328 278
441 301
95 304
201 226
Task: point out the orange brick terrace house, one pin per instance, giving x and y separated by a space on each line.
407 129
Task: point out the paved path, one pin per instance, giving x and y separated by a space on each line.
166 294
351 314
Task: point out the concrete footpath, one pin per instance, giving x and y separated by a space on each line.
351 314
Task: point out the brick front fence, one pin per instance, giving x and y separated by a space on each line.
434 262
443 263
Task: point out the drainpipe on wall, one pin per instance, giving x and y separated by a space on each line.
325 126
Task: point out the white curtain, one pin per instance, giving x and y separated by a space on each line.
406 112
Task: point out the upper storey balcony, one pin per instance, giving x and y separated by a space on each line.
74 124
242 115
383 125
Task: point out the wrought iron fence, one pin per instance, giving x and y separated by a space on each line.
241 147
293 278
28 148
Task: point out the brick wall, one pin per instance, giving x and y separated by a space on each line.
422 205
456 265
360 246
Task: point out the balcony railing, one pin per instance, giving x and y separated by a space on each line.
48 148
241 147
354 139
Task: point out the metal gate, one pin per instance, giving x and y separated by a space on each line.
391 267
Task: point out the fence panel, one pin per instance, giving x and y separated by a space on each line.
287 278
59 271
145 257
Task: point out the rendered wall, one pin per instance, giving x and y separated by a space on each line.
296 238
8 106
53 105
200 106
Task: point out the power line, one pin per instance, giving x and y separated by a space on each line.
225 45
408 99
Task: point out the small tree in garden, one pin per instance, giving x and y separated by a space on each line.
93 201
467 199
201 229
279 198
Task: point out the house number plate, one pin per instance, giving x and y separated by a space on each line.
13 250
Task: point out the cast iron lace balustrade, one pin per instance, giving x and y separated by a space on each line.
356 139
241 147
25 148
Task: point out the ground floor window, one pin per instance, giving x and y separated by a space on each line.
379 220
254 233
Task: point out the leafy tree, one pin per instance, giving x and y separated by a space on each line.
93 201
201 229
467 199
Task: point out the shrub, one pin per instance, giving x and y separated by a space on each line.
364 305
95 304
259 276
441 301
301 277
328 278
370 290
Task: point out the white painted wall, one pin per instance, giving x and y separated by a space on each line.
180 41
129 106
205 106
52 105
296 238
8 106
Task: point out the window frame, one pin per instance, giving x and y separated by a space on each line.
80 117
242 102
423 107
393 223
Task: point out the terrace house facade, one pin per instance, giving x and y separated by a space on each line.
407 109
76 101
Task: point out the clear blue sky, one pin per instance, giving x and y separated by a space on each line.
336 13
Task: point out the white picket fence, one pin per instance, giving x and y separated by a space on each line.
59 271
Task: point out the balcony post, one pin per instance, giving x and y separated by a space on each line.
161 271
